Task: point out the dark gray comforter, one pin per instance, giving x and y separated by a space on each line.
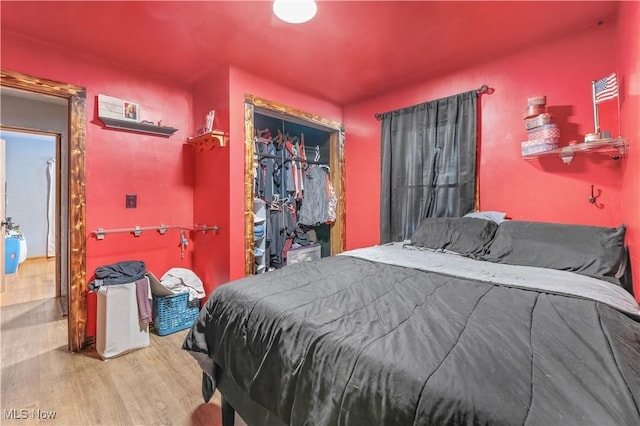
350 341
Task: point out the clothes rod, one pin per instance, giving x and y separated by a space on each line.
162 229
280 157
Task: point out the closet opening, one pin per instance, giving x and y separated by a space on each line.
294 186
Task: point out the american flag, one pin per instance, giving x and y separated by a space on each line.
606 89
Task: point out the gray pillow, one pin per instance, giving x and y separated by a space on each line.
497 217
464 235
588 250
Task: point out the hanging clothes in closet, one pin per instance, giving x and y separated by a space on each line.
320 199
298 192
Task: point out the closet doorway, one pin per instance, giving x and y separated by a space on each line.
323 148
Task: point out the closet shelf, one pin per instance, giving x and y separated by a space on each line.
209 140
614 147
135 126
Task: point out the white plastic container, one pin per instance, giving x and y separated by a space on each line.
119 329
303 254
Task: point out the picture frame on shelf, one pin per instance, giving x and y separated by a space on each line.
130 111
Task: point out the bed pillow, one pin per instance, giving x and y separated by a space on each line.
588 250
497 217
464 235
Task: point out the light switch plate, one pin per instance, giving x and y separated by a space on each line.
131 201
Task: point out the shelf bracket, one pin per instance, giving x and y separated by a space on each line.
209 140
566 157
100 234
137 231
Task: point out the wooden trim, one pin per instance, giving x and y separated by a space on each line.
337 162
292 112
249 244
76 96
77 293
58 213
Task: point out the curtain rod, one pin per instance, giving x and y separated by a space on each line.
481 90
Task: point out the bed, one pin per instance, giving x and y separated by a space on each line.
471 322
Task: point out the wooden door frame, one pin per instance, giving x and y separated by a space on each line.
76 206
336 163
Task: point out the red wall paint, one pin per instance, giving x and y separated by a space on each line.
155 168
212 183
544 190
629 79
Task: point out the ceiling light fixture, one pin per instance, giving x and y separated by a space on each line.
295 11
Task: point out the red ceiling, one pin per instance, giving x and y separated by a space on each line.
348 52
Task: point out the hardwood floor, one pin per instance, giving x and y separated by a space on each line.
156 385
34 280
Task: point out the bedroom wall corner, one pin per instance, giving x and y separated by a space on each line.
211 182
156 168
539 190
628 43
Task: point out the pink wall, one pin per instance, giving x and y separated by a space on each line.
157 169
629 76
211 183
544 190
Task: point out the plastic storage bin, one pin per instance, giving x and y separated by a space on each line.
174 313
11 255
119 329
303 254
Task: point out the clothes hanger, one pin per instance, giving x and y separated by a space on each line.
301 153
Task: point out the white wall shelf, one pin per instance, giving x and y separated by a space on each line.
135 126
613 147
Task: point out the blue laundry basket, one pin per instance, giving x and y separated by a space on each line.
11 255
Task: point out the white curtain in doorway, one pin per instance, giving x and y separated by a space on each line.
51 207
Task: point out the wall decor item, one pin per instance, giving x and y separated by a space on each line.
543 136
110 107
603 90
209 122
131 111
121 114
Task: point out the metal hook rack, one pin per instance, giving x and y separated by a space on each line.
100 233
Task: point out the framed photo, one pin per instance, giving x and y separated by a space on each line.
130 111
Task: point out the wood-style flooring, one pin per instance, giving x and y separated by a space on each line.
34 280
156 385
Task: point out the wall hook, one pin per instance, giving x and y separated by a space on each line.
592 199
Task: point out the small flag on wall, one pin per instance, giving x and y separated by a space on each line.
606 89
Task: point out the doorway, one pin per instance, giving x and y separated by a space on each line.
71 268
32 209
328 137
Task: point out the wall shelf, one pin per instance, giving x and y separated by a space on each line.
208 141
614 147
135 126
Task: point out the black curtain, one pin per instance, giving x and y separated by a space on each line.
428 163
